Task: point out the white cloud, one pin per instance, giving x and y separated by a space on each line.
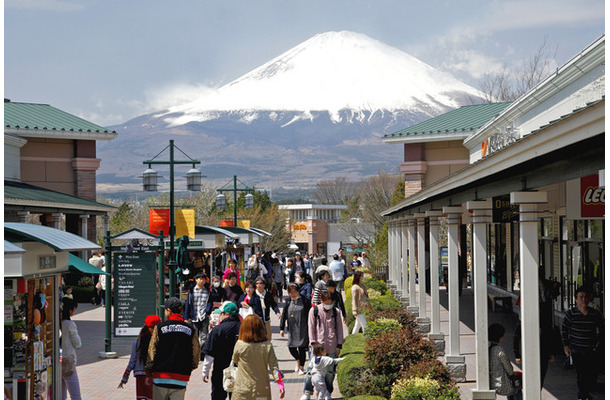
473 62
173 95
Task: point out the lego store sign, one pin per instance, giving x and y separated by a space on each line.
593 197
585 199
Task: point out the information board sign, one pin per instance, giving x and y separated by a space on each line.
503 210
135 292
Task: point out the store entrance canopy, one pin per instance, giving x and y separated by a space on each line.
83 266
56 239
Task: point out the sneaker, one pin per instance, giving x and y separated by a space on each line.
305 397
301 372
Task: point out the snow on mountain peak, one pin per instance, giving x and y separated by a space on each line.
333 71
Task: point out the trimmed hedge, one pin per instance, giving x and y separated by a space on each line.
367 397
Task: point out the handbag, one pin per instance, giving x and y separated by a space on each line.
228 377
98 285
67 366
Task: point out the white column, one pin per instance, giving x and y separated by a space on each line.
392 238
390 252
84 219
455 362
421 262
396 279
528 274
435 328
480 219
412 294
405 261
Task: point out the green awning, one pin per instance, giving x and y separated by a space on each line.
84 266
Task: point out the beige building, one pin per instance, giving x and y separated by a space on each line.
309 224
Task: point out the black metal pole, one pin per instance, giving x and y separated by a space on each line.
234 200
108 295
172 226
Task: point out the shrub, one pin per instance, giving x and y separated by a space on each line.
367 397
405 318
349 316
348 370
373 282
381 325
422 388
385 302
433 369
390 352
347 286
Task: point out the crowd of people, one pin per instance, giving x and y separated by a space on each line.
226 322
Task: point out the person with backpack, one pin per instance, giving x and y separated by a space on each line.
325 327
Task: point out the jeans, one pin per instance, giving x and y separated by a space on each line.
70 384
163 393
329 378
202 328
360 323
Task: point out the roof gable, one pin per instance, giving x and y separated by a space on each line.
461 120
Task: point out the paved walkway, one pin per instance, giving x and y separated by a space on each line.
99 378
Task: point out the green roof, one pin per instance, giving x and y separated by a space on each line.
25 194
463 119
44 116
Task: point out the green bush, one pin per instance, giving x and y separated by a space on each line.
433 369
385 302
349 315
347 286
424 389
367 397
376 284
348 370
381 325
405 318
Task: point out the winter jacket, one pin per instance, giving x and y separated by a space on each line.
220 343
173 352
190 312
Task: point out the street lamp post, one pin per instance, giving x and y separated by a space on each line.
150 185
221 200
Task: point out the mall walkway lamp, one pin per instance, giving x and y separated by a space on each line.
221 200
193 183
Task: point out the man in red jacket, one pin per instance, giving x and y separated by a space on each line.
173 353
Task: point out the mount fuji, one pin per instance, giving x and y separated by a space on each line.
315 112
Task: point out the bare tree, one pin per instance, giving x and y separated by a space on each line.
510 84
336 191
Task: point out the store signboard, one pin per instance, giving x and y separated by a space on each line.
135 292
503 211
158 220
585 198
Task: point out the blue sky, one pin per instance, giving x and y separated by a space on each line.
109 61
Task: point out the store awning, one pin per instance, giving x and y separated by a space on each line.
238 229
83 266
56 239
205 229
135 233
261 231
10 248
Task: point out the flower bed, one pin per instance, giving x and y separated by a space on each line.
391 360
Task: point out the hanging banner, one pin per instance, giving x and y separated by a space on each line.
226 222
244 223
185 223
158 220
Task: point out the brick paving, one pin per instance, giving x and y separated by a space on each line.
99 378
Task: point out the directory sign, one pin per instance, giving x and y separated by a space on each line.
135 293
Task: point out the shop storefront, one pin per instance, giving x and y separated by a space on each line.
35 257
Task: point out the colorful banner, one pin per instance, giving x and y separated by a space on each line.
158 220
185 223
226 222
244 223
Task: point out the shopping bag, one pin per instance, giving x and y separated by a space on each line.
228 377
244 312
67 366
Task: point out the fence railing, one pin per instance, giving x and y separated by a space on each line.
381 270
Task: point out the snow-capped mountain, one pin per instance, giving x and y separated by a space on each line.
314 112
